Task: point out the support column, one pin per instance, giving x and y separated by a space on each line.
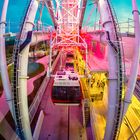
22 72
3 63
107 24
136 58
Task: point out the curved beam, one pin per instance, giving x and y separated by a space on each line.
3 63
135 63
115 71
50 9
39 21
84 3
20 74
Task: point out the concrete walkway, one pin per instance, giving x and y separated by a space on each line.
60 122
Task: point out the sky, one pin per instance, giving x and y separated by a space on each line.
123 8
16 9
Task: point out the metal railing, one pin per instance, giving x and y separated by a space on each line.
127 26
134 133
44 28
134 136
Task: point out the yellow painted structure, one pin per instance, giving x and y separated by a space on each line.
95 88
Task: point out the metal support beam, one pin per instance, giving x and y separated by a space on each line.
106 19
3 63
51 11
136 58
84 3
20 75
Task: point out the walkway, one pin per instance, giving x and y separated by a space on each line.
60 122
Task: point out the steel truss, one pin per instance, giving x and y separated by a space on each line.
68 13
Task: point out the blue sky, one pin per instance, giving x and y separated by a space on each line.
16 8
123 8
15 11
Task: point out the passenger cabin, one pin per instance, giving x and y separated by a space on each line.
69 65
70 55
66 88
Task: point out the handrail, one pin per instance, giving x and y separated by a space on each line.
131 129
134 133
